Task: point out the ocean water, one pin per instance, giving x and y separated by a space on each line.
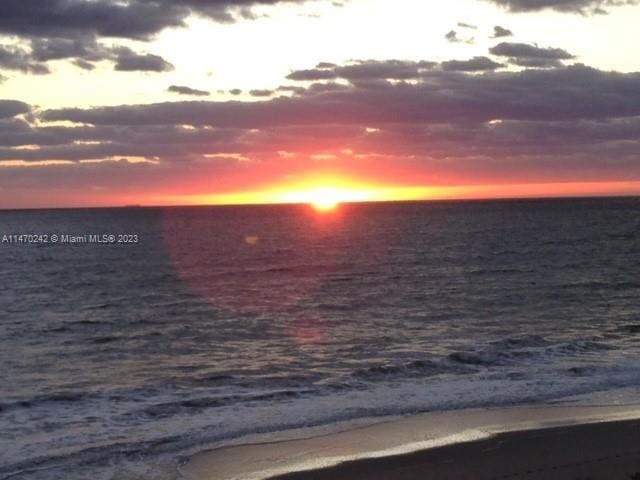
118 360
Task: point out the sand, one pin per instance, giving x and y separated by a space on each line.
525 442
607 451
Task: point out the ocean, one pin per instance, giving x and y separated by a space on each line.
188 328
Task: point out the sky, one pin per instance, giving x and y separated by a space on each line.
165 102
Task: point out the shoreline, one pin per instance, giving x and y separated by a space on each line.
401 444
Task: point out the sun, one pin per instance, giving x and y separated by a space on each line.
324 199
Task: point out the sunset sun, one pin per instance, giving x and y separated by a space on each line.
324 199
326 196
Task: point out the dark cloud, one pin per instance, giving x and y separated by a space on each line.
15 58
183 90
467 25
261 93
499 32
326 65
11 108
73 18
293 89
313 74
83 64
523 50
530 62
570 6
475 64
452 37
527 55
83 51
235 91
571 123
365 70
575 92
138 19
128 61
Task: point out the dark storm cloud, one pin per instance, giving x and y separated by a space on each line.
139 19
499 32
570 6
129 61
475 64
183 90
11 108
15 58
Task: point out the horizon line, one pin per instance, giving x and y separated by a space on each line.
365 202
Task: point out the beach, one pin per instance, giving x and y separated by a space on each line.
602 451
546 443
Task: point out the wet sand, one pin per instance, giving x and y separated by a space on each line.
607 451
541 442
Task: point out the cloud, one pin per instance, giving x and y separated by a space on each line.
261 93
15 58
136 19
569 6
475 64
578 92
452 37
182 90
128 61
73 18
530 55
83 52
523 50
11 108
365 70
313 74
85 48
571 123
83 64
499 32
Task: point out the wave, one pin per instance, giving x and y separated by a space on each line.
415 368
196 405
512 350
59 397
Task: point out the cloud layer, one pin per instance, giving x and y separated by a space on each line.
570 6
442 127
